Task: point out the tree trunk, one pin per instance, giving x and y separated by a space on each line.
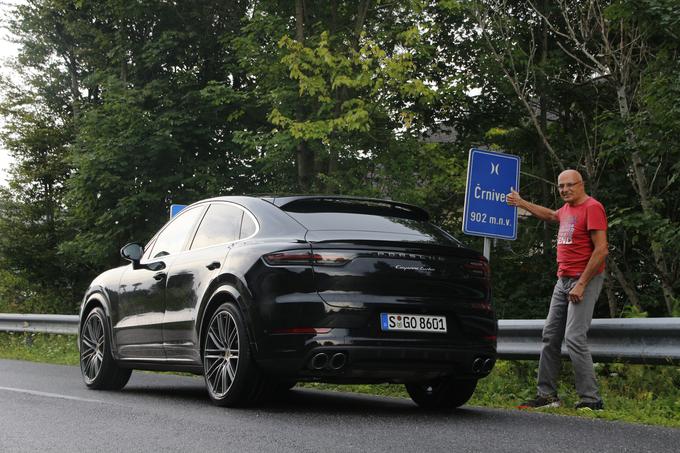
543 121
123 71
359 22
343 93
332 166
75 88
611 297
641 187
628 289
305 158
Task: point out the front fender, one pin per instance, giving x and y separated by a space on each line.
96 297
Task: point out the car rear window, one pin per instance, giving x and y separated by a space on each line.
343 221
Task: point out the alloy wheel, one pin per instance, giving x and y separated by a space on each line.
221 354
92 347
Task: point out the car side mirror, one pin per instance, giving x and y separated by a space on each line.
132 252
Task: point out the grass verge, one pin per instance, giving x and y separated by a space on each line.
59 349
632 393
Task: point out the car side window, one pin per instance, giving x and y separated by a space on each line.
221 224
147 250
248 226
172 238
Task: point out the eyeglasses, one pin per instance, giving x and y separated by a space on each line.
568 185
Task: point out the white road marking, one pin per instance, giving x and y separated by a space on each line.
52 395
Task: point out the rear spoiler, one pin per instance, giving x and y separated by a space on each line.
356 205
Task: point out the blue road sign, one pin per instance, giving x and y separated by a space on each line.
176 209
489 179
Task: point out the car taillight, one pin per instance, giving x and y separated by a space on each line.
484 306
478 268
289 258
328 258
308 258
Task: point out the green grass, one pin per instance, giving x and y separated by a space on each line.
59 349
632 393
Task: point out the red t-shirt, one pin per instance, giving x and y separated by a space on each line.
574 245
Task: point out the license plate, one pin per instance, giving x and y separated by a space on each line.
412 323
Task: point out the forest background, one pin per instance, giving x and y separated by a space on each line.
124 107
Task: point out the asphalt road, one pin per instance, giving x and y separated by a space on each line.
47 408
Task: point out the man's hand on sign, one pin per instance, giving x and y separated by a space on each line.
513 197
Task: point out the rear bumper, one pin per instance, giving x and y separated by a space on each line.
347 359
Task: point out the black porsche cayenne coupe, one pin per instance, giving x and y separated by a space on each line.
257 294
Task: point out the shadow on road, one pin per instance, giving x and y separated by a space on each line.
319 402
299 400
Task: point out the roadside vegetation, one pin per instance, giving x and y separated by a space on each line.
632 393
58 349
118 109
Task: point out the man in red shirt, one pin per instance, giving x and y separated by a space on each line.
581 252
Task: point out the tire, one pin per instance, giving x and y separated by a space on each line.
231 376
442 394
97 365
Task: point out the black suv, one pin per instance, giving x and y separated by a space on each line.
257 294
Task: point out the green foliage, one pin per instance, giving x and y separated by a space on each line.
631 393
631 311
58 349
126 107
366 72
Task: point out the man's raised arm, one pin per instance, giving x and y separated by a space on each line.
541 212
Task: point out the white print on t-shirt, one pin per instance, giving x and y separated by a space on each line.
566 233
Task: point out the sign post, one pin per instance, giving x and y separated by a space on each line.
486 213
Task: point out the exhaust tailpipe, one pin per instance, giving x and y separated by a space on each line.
320 361
338 360
477 365
487 366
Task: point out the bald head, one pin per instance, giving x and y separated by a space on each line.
570 174
570 185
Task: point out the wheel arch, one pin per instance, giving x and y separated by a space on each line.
224 290
93 300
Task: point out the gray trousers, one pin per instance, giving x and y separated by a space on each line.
570 322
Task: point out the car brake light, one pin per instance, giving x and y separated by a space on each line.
308 258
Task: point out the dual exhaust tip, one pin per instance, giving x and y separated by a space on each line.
333 362
482 365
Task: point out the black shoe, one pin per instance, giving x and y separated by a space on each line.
541 402
590 406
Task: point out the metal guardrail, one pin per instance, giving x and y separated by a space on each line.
64 324
630 340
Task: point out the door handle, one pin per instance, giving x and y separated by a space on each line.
159 276
214 265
